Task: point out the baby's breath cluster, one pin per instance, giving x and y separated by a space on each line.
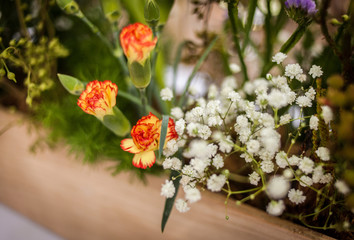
226 125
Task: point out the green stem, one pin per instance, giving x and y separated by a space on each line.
231 8
137 101
287 46
268 33
251 10
143 100
195 69
21 19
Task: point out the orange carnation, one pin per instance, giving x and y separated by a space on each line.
98 98
137 42
145 140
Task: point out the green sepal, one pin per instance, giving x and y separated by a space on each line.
111 9
164 126
71 84
140 73
117 122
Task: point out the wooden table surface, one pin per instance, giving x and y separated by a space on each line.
79 201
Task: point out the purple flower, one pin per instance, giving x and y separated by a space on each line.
309 6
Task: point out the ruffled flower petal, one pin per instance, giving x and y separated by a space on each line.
129 146
144 159
137 41
99 98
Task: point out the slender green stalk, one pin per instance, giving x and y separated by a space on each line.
21 19
268 34
137 101
231 8
143 100
251 10
195 69
287 46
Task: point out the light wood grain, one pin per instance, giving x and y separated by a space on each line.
79 201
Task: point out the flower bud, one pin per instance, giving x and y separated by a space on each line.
99 99
71 84
151 13
137 43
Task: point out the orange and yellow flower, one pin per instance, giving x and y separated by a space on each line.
145 140
137 42
98 98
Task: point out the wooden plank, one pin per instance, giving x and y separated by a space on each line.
79 201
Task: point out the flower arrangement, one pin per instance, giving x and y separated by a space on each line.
282 134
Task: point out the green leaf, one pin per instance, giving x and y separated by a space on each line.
170 201
164 126
71 84
175 65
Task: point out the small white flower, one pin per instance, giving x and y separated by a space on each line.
226 144
293 70
171 148
288 174
234 96
214 121
213 91
315 71
252 146
166 94
200 164
234 68
197 113
285 119
254 178
317 174
327 114
323 153
279 81
281 159
311 93
276 208
277 187
327 178
213 107
303 101
176 164
279 57
180 125
182 206
314 122
267 166
215 183
168 189
296 196
218 161
306 165
192 194
294 160
342 187
204 132
305 181
177 113
247 158
277 99
301 77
